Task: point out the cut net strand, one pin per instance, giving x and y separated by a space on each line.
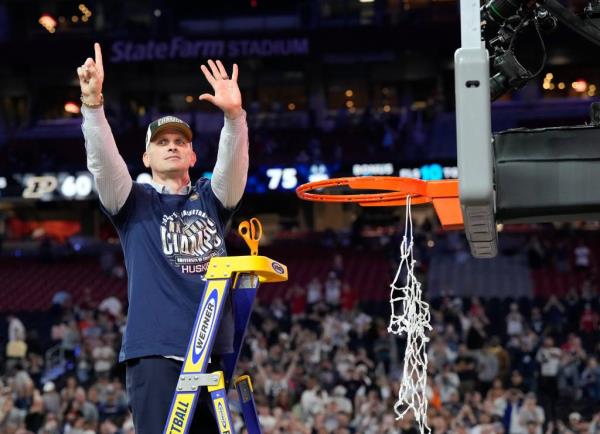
410 317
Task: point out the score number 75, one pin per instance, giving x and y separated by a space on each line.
287 178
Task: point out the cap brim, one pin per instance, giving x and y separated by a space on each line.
187 132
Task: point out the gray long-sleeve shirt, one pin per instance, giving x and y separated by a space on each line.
114 182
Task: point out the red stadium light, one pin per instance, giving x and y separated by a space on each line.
48 22
579 86
71 107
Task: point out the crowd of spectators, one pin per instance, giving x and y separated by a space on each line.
494 367
324 362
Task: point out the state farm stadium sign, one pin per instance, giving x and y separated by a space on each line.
182 48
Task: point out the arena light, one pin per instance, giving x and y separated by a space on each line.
579 86
85 11
591 90
48 22
548 85
71 107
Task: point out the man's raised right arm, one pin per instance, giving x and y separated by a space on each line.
110 172
108 168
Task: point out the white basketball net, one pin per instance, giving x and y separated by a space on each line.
410 317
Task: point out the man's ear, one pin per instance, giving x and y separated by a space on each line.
146 160
193 159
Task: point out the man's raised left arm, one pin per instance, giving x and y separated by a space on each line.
231 169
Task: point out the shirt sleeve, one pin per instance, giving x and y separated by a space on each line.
231 169
108 168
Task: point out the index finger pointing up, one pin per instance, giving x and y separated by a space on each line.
98 51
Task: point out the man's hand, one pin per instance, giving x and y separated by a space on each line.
227 92
91 76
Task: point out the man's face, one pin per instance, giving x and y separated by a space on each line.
169 153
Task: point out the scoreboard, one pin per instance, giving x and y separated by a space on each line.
261 179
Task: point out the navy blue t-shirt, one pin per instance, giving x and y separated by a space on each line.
168 240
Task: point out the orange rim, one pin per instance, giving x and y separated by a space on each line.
442 194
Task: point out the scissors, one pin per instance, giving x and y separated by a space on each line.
251 232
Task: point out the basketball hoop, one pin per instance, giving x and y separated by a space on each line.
443 195
410 315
